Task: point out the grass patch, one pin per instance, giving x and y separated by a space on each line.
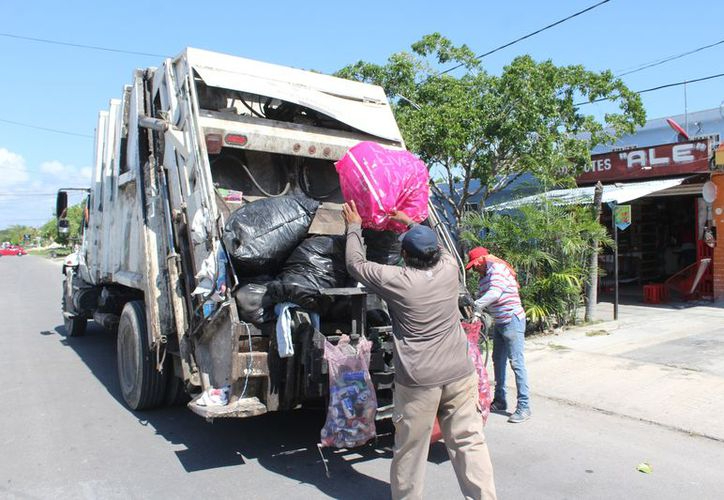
597 333
50 253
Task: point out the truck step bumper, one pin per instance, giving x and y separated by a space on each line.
241 408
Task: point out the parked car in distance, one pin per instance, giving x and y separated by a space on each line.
13 250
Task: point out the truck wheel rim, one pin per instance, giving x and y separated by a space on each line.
128 361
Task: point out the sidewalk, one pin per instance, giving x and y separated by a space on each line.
657 364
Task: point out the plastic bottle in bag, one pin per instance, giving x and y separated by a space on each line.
352 400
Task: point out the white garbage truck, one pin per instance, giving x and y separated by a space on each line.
188 145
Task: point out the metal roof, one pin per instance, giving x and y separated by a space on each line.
620 192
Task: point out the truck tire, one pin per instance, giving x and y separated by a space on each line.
176 394
74 326
142 386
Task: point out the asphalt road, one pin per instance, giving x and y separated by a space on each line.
65 433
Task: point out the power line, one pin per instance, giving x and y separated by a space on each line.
658 62
681 83
80 45
665 86
528 35
75 45
57 131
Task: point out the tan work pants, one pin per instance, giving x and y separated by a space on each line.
456 406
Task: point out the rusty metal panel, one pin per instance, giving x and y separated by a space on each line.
252 364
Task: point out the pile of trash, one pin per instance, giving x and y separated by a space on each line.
268 244
318 262
282 264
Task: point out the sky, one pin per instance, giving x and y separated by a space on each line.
63 88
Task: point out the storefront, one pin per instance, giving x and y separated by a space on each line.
669 181
666 239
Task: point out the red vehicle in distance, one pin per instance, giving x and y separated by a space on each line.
12 250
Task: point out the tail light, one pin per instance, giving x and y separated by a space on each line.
235 139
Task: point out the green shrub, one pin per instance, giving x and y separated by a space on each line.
549 246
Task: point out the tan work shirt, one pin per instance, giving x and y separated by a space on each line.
430 344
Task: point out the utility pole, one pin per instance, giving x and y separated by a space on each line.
592 291
615 262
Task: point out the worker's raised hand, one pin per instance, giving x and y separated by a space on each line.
400 216
351 215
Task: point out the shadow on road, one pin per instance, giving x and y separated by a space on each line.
281 442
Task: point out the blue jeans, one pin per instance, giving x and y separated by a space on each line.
508 344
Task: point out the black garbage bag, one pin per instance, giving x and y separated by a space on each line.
377 312
254 303
318 262
383 247
260 235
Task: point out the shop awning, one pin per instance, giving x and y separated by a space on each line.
620 192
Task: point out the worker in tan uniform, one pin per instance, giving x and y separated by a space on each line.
434 377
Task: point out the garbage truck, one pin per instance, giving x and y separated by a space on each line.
188 146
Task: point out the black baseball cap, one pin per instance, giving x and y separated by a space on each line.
419 240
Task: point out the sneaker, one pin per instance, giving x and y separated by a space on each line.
498 405
520 415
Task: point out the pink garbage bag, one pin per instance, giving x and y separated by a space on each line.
381 181
472 330
485 394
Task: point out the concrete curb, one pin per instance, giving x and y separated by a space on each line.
576 404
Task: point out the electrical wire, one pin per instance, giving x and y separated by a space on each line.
80 45
252 110
528 35
658 62
57 131
253 180
652 89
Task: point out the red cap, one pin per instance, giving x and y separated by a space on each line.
476 256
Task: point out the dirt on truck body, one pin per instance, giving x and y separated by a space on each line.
188 145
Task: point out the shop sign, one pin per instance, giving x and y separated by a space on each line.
622 216
644 163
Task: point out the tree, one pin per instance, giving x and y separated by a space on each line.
549 246
49 230
16 234
472 125
74 214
